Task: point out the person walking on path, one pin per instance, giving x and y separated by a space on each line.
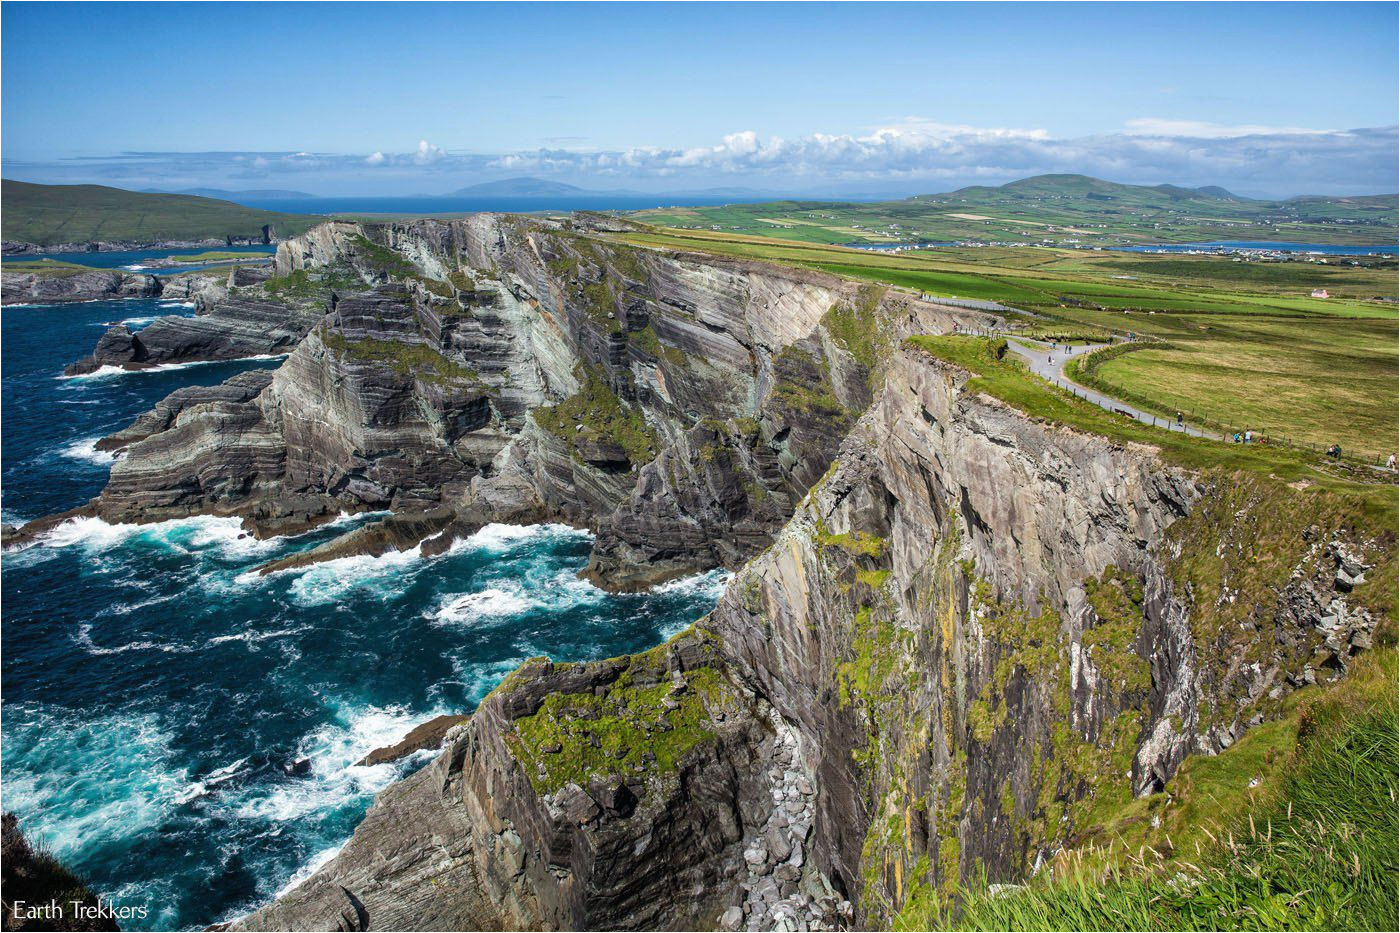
1390 462
1178 419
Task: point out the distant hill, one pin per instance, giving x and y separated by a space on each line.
525 188
52 214
1061 209
227 195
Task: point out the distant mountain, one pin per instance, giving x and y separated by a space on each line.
51 214
228 195
1081 193
1085 187
527 188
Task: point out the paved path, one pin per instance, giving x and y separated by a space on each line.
1049 364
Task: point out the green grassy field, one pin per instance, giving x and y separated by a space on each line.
218 255
1250 347
1058 209
49 214
50 268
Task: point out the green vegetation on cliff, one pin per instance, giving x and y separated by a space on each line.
52 268
643 723
309 284
51 214
220 255
406 359
1293 827
601 415
34 877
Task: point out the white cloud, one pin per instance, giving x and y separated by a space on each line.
428 153
1198 129
912 154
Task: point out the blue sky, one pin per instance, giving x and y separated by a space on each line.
394 98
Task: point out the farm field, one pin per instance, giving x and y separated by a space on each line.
1245 344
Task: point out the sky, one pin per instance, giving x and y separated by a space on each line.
803 98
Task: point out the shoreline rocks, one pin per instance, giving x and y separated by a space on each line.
426 735
28 287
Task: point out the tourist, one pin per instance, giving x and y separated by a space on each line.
1390 462
1178 419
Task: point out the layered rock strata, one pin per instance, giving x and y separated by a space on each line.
975 628
92 285
955 630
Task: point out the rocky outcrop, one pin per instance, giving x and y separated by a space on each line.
20 248
610 795
65 285
41 893
427 735
981 626
239 389
677 405
235 327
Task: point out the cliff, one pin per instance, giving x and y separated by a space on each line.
977 633
30 284
958 635
499 369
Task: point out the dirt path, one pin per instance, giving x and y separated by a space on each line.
1049 363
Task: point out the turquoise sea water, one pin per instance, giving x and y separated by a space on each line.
156 693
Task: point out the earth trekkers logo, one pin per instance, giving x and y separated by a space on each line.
55 909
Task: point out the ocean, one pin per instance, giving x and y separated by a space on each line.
157 693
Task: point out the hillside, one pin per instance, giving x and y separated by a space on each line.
1059 209
52 214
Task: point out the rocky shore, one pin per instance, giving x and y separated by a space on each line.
29 287
954 629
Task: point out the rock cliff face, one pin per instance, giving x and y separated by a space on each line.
501 368
954 629
975 627
981 626
94 285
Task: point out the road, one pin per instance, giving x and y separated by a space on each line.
1049 364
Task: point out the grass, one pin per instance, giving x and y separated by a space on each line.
1314 381
216 255
33 876
51 268
631 727
52 214
307 285
1293 827
1249 347
1008 380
